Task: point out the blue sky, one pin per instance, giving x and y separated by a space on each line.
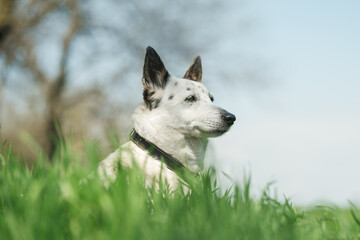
303 130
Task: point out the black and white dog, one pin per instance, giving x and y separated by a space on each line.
172 125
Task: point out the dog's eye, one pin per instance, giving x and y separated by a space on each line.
191 98
211 97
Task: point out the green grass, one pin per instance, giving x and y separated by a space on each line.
52 201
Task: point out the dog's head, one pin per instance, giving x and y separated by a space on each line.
183 104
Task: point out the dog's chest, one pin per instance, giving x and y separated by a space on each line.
130 153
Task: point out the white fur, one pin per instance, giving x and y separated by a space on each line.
178 127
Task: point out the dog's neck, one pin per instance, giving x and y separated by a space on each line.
189 151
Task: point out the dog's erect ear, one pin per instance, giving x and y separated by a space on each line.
155 73
195 70
155 77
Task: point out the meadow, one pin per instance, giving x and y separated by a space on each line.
64 199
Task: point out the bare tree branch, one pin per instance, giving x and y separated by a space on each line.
74 27
30 62
46 7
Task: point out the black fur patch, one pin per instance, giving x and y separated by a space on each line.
156 103
154 71
155 76
147 94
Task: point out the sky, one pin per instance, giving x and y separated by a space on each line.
302 130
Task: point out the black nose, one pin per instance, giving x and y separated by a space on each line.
228 118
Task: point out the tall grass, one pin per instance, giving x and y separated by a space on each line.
65 200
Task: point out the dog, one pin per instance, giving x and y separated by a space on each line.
171 126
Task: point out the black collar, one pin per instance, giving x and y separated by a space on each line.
156 152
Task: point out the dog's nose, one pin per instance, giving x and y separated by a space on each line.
229 118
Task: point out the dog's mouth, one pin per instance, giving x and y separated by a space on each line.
213 133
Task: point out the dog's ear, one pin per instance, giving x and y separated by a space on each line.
155 73
195 71
155 77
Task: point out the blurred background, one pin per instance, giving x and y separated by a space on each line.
289 71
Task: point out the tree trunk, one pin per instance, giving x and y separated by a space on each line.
52 135
53 131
